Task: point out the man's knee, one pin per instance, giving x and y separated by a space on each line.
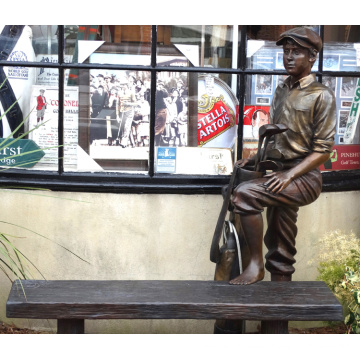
245 199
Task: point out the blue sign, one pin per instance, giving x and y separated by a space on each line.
166 160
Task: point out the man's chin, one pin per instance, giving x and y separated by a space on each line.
290 68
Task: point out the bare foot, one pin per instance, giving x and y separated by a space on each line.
252 274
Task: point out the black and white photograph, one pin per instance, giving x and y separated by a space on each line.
343 116
120 109
348 85
263 84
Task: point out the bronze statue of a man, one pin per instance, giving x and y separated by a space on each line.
308 109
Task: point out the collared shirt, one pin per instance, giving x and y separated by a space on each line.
127 100
309 110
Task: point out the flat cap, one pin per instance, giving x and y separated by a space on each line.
305 37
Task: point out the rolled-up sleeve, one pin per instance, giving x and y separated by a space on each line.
324 122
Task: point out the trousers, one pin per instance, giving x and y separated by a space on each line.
251 197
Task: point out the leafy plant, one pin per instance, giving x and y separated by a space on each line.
351 285
338 258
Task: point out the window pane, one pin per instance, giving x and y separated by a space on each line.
195 124
342 48
198 45
262 51
31 43
109 44
259 93
346 153
45 42
107 119
45 104
33 120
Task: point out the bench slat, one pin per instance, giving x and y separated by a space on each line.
167 299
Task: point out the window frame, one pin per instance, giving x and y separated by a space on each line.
341 180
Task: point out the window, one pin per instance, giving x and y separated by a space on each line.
160 108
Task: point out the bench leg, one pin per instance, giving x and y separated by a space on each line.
274 327
229 327
70 326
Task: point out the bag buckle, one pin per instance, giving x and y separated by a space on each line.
13 112
4 88
13 30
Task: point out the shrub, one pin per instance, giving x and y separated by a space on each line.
338 259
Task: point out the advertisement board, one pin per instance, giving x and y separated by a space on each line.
217 113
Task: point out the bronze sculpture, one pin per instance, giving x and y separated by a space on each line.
308 109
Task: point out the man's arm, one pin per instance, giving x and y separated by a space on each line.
281 179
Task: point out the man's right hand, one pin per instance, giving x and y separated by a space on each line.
243 162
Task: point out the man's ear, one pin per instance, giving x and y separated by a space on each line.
312 58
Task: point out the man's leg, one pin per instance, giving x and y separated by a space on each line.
249 199
280 240
253 229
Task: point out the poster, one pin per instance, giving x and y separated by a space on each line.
351 135
343 157
45 104
120 105
255 116
50 76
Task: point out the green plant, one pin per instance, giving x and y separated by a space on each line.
351 285
338 259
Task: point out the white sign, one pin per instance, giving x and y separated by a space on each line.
50 76
45 104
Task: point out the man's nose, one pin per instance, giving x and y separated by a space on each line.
290 55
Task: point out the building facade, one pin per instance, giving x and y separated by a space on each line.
140 127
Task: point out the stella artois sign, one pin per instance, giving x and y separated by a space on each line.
217 113
214 117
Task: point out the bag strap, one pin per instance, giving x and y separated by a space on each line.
232 229
8 39
214 250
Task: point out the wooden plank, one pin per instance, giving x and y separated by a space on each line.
172 300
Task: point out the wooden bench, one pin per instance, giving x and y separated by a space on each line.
70 302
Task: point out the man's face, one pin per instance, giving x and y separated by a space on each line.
297 60
261 119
